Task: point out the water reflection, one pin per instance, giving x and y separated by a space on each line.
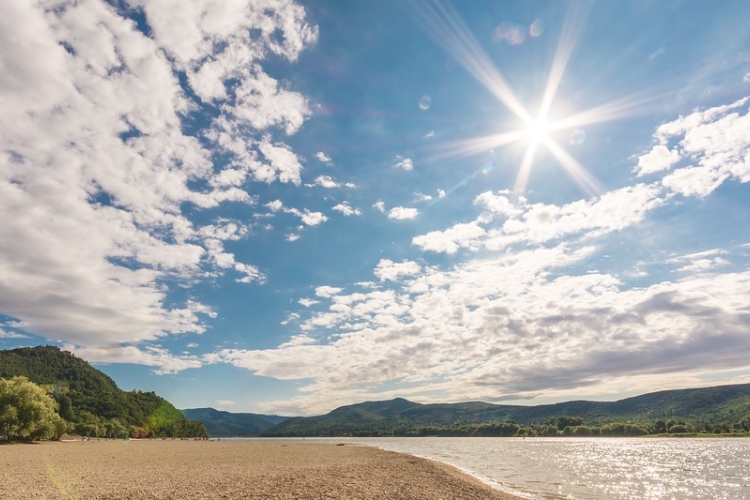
597 469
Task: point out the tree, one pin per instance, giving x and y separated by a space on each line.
27 411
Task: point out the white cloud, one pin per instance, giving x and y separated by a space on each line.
421 197
292 237
405 163
347 209
96 169
275 205
321 156
449 241
379 206
403 213
192 345
327 291
517 323
539 223
746 78
307 217
164 361
701 261
658 159
5 334
717 141
308 302
326 181
225 403
387 270
441 193
313 218
283 160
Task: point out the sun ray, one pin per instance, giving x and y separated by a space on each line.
573 22
623 107
469 147
522 179
448 30
582 176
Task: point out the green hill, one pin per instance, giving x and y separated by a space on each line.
91 401
726 408
223 423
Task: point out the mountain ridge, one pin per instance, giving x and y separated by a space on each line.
724 404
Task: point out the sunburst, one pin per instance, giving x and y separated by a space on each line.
448 30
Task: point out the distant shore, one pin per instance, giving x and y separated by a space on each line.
201 470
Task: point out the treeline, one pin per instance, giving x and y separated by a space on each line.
575 426
90 402
564 426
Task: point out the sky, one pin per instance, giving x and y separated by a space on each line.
282 207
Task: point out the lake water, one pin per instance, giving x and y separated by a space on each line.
593 468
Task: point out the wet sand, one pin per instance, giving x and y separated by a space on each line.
207 470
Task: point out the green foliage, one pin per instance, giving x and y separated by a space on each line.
91 401
719 410
27 411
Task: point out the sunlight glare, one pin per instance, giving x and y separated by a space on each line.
538 131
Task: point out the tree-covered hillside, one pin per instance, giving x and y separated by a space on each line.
223 423
91 401
712 409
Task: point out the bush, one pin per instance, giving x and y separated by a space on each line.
27 412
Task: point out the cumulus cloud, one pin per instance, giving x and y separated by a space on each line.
326 181
717 142
98 175
453 238
347 209
405 163
308 217
387 270
658 159
403 213
530 314
327 291
379 206
509 324
322 157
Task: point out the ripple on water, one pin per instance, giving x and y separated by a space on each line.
597 468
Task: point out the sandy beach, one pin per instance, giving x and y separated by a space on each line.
150 470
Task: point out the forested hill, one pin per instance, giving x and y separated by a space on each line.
91 401
723 408
223 423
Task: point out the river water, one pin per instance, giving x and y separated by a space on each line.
593 468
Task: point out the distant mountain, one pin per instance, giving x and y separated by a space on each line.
727 403
223 423
91 400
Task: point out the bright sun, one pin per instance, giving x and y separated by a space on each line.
537 131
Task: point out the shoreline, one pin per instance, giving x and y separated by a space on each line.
208 470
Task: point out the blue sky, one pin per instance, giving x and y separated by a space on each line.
283 207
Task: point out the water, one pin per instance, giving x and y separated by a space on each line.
594 468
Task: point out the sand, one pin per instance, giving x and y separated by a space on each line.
203 470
